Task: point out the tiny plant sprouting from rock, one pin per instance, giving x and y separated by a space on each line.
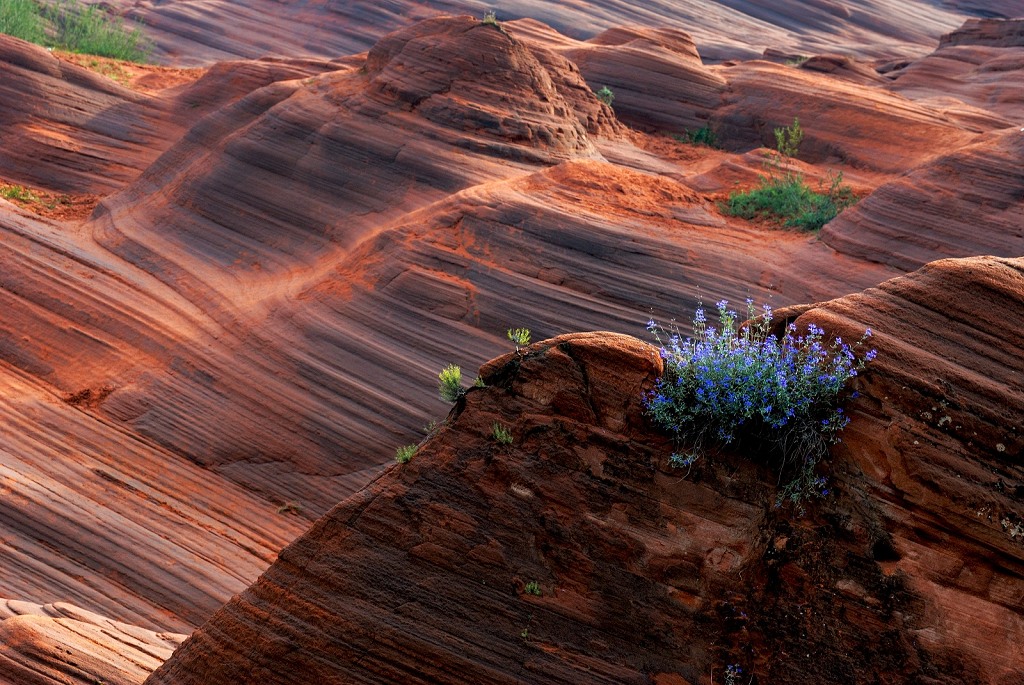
404 454
449 383
520 337
605 95
533 588
490 18
501 435
478 382
290 508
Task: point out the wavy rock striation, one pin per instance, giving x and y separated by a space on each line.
575 553
201 31
61 644
964 203
977 68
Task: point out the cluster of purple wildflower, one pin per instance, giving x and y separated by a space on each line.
734 380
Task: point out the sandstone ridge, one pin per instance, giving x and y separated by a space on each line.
577 554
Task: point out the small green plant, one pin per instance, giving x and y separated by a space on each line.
784 196
490 18
730 383
430 428
605 95
404 454
90 30
520 337
19 193
478 382
788 139
704 135
533 588
449 384
501 435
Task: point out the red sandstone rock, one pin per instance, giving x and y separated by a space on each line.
965 203
62 644
255 322
202 31
913 569
981 65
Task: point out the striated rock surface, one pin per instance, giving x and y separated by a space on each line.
977 68
255 316
576 553
965 203
68 129
657 77
61 644
201 31
843 121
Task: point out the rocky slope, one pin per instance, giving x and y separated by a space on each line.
576 553
288 250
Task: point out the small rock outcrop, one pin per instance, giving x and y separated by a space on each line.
577 554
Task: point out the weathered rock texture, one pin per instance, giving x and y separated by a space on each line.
60 644
965 203
914 569
975 68
289 249
202 31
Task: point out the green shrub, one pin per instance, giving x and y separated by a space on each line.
788 139
704 135
790 200
785 196
501 435
21 19
605 95
728 383
449 384
92 31
490 18
72 26
404 454
533 588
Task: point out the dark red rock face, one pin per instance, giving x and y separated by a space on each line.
575 554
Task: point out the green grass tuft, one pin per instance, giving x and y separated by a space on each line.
21 19
403 455
790 200
75 27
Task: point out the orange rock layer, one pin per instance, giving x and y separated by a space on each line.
577 554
